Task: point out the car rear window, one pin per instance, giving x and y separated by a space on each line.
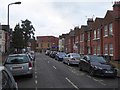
18 59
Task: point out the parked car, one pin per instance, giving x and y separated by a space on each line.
60 55
19 64
97 65
7 81
72 58
47 52
52 54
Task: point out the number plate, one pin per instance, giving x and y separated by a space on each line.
16 68
108 71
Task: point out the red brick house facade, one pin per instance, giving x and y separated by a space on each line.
98 37
47 42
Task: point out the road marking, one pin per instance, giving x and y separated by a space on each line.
35 88
35 76
54 67
35 72
71 83
102 83
35 81
48 62
95 80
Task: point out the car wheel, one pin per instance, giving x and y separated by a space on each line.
91 72
80 68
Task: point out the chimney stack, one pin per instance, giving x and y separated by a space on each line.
116 9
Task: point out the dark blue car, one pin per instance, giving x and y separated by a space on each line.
60 55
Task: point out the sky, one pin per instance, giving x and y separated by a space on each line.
54 17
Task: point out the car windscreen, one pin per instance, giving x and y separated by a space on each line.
62 54
18 59
75 55
97 59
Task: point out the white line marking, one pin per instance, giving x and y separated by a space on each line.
48 62
35 76
54 67
102 83
35 88
95 79
35 72
35 81
71 83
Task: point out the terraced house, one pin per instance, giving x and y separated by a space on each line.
99 37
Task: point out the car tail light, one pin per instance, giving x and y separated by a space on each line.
30 64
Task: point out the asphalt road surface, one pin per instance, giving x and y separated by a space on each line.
49 73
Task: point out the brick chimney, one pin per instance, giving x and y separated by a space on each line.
116 9
89 23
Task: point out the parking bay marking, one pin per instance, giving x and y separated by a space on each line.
71 83
35 81
48 62
54 67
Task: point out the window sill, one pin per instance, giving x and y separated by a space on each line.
106 36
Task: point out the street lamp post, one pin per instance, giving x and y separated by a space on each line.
10 33
8 12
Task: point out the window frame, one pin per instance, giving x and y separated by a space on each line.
111 49
110 29
105 31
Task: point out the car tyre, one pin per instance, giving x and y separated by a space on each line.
80 68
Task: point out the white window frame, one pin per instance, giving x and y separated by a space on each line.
111 49
106 49
98 50
95 36
82 37
105 31
110 29
98 33
89 50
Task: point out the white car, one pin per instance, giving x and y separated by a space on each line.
72 58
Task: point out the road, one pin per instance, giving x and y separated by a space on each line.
49 73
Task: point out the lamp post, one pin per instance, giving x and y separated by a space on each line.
10 33
8 12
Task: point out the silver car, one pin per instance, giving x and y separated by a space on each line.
72 58
7 81
19 64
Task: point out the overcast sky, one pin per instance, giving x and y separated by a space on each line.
54 17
